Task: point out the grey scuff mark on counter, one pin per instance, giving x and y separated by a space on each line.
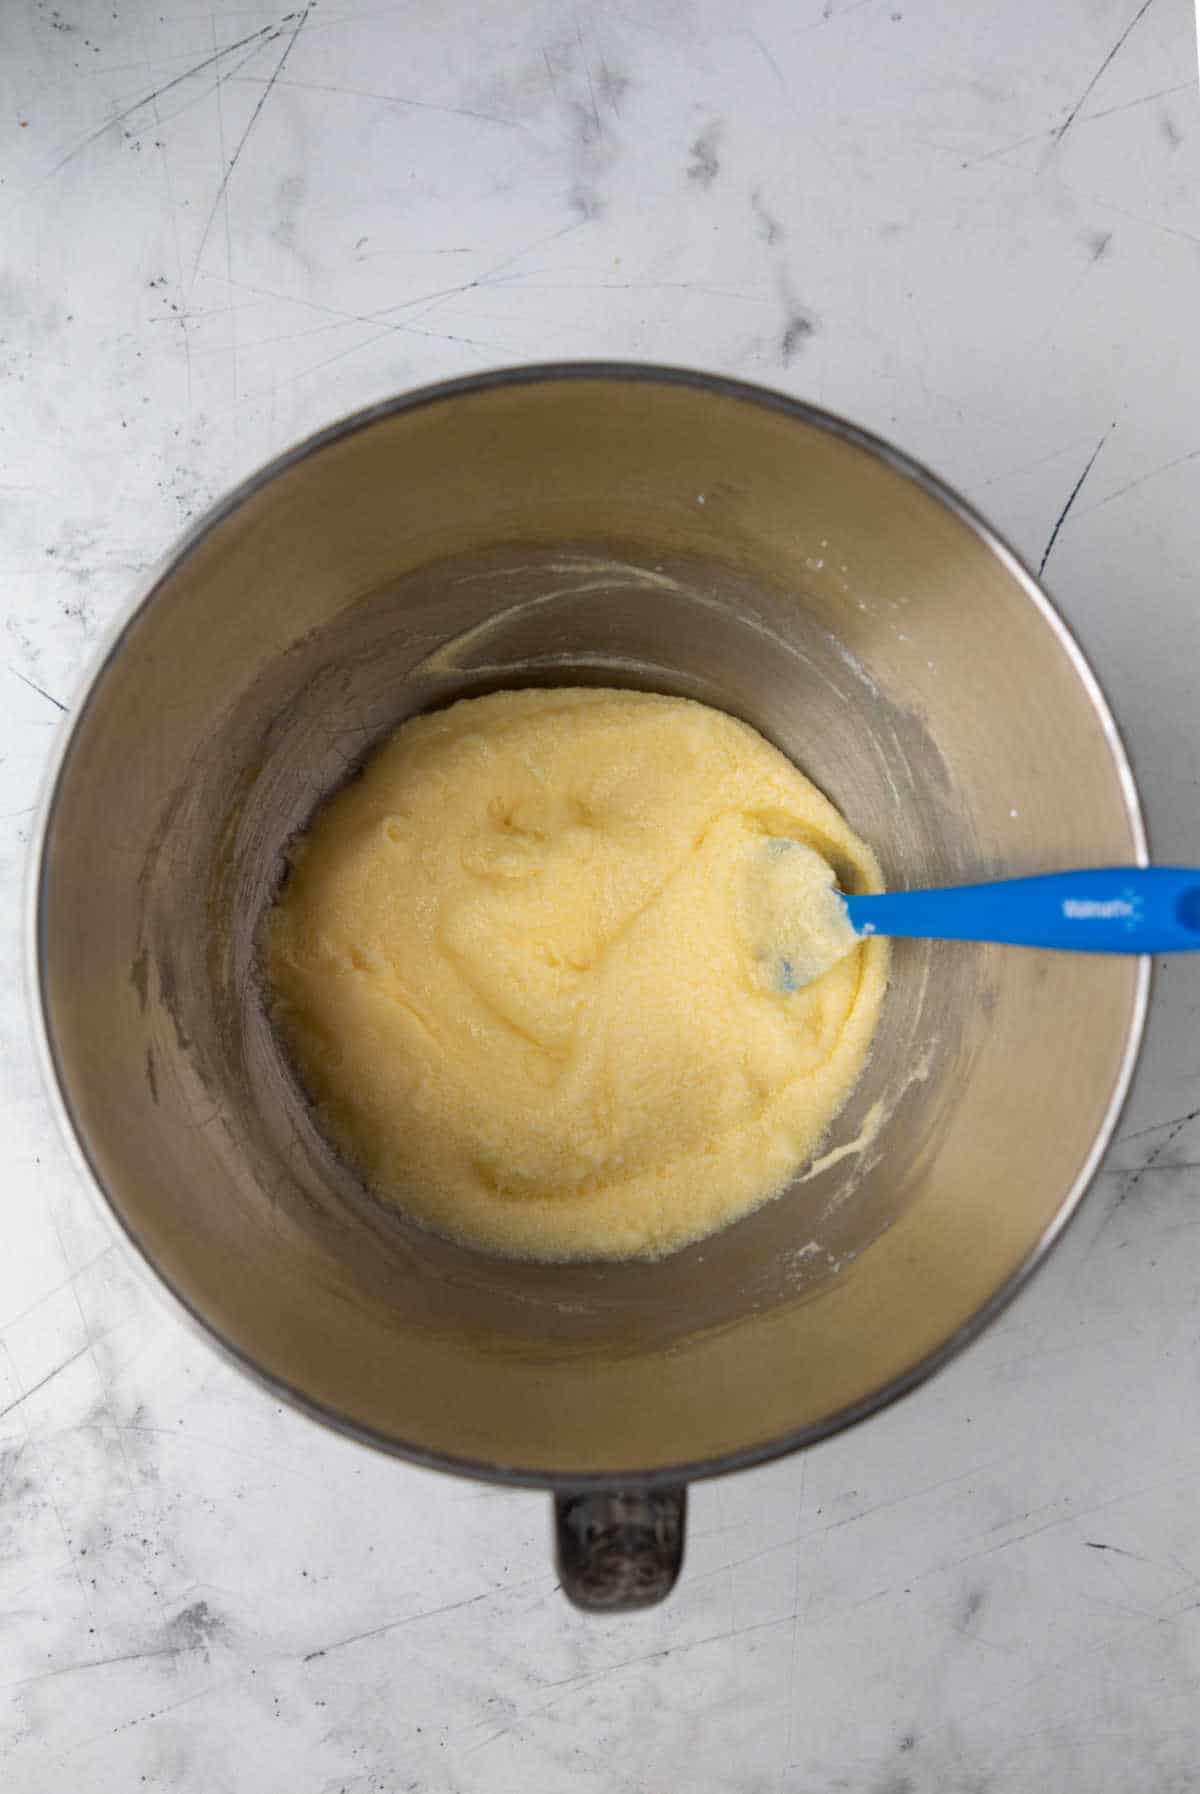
48 1378
1167 230
10 1458
435 300
395 99
41 692
613 85
830 12
766 224
594 130
567 1686
972 1606
1150 1163
1073 114
258 38
1089 118
1012 473
1132 485
585 202
246 134
74 1669
200 1694
1072 496
195 1628
222 78
1156 1127
341 318
765 51
796 332
594 143
408 1619
705 164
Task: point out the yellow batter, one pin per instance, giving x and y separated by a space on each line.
513 965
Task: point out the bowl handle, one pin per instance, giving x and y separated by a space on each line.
619 1549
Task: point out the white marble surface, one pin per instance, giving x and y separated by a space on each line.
975 228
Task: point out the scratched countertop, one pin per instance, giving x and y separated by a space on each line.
975 229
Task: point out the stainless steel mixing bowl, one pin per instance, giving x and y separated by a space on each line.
560 525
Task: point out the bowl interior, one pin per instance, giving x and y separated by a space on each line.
601 528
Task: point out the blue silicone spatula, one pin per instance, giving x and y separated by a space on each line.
1118 909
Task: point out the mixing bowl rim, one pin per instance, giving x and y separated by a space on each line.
36 946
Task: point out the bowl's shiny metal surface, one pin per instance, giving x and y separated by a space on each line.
619 525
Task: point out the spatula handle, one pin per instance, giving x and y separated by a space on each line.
1120 909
